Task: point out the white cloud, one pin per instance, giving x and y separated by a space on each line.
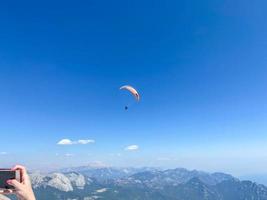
3 153
132 148
85 141
65 142
70 142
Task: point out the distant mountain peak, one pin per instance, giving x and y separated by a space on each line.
143 183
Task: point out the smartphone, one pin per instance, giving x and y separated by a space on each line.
7 174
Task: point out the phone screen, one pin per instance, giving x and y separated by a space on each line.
4 176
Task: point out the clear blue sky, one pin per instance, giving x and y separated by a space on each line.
200 67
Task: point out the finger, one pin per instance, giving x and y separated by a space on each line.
20 167
8 191
17 185
24 174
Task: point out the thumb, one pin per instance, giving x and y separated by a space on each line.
17 185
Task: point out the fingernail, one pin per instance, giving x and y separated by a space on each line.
8 181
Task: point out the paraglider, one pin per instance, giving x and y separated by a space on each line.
133 91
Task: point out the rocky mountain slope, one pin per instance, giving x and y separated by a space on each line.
143 184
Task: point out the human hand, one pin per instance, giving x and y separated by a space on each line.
23 190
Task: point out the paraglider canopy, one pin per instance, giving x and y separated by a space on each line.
133 91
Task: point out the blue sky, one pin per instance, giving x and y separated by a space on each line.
200 67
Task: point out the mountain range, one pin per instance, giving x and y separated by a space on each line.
107 183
